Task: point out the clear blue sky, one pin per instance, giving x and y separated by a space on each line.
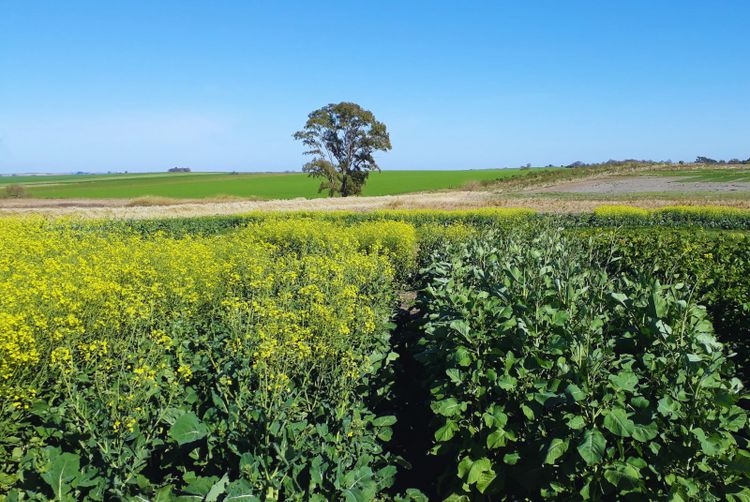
222 85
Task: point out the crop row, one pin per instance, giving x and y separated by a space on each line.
242 365
554 374
708 217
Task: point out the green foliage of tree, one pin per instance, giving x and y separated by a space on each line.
342 139
705 160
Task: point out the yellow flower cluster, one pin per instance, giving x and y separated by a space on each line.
700 211
300 298
619 211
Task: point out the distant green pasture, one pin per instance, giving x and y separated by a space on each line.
255 185
718 175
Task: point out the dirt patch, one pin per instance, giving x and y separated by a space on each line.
623 185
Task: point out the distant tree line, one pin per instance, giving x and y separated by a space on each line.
709 160
179 170
617 163
643 162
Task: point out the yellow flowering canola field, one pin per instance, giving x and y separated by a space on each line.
123 336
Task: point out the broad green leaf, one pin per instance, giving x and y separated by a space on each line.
560 317
640 402
241 491
543 397
511 458
658 304
199 485
63 468
528 412
637 462
644 433
360 487
385 434
557 447
480 474
622 475
462 357
448 407
355 495
624 380
187 429
414 495
618 423
575 392
506 382
446 432
462 327
710 444
385 421
668 407
454 374
485 479
316 471
164 494
495 417
496 439
592 447
585 491
736 419
620 298
217 489
691 489
576 423
463 467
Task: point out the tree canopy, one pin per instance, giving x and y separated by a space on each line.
342 139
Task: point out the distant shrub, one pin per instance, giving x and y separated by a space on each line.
151 201
16 191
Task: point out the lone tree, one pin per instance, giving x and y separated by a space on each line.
342 138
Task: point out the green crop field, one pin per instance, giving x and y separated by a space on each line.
260 185
715 175
284 356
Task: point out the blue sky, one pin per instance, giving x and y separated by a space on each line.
222 85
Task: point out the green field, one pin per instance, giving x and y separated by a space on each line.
259 186
715 175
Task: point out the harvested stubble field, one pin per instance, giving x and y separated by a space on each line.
439 200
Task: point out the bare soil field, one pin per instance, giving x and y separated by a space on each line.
622 185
